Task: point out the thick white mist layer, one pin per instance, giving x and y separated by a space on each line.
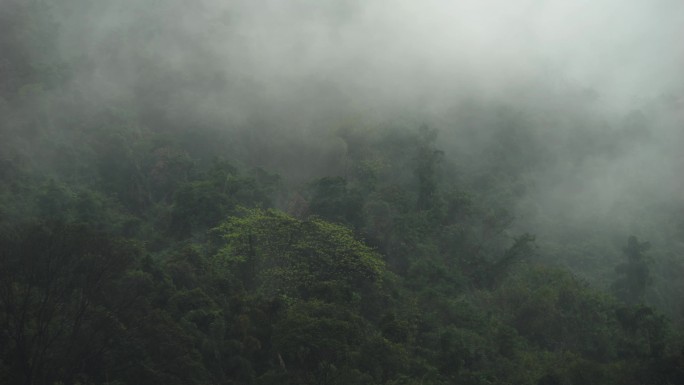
297 66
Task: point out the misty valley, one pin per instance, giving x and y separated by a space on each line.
341 192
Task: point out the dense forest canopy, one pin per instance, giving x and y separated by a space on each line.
341 192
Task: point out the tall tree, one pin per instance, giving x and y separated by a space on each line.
59 301
633 275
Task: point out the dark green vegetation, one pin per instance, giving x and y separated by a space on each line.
136 248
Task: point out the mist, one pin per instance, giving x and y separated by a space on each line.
262 192
298 72
596 85
438 52
302 70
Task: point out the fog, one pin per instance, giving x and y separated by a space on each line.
341 191
387 52
597 85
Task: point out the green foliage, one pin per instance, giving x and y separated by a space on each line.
202 203
60 302
646 332
558 312
634 275
410 269
333 201
440 291
278 255
426 169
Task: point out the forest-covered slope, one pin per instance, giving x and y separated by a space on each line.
184 227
